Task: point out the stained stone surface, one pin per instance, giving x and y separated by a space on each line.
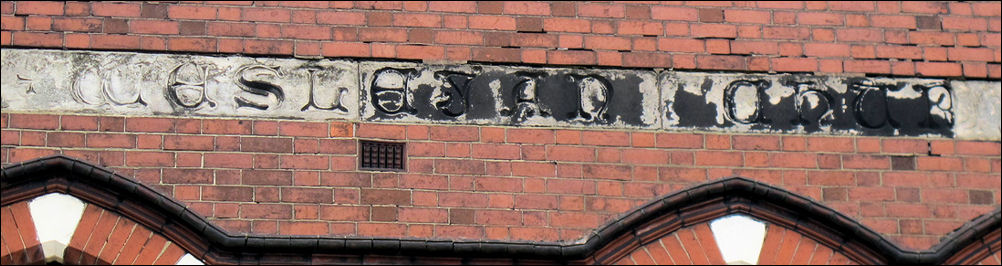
977 107
500 95
143 84
813 103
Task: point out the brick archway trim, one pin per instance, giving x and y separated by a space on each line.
976 240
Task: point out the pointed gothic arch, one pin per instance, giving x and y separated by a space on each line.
689 209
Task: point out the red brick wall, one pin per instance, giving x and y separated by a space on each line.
101 237
693 245
900 38
18 237
503 183
105 237
787 247
465 182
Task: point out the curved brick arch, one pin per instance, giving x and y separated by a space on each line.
977 241
101 237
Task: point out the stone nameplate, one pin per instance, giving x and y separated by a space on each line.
120 83
169 84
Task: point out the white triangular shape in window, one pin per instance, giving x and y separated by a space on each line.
55 217
739 238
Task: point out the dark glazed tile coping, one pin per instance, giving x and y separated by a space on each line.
970 243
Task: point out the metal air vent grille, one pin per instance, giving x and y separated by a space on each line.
376 155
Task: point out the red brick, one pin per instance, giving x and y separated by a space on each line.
574 219
266 211
903 52
420 52
149 159
527 8
639 28
754 47
96 140
423 215
368 130
746 16
228 193
679 140
417 20
718 158
497 151
793 160
930 37
451 6
644 156
230 29
865 162
714 30
116 9
30 121
38 8
188 143
722 62
681 45
964 23
143 124
228 160
907 22
305 162
673 13
939 164
266 177
492 23
566 153
786 33
820 18
191 12
867 66
266 14
826 50
765 143
565 25
977 148
308 195
619 172
459 199
830 144
467 167
830 178
786 64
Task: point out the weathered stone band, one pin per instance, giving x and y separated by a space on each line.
120 83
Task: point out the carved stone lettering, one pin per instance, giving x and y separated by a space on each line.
744 100
334 101
870 107
258 80
389 90
147 84
941 103
186 86
525 97
455 89
119 90
595 93
814 107
113 87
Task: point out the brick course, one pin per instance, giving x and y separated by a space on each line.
479 31
503 183
543 180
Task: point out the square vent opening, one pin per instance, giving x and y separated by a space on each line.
381 156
